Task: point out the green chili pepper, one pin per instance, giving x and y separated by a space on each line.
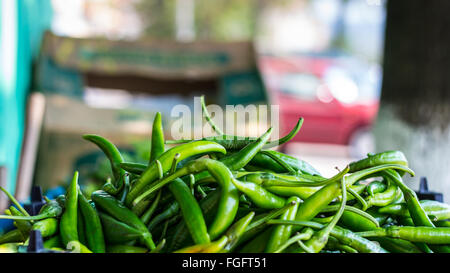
92 224
12 236
81 228
428 235
23 225
134 168
344 236
288 189
440 211
334 244
358 198
320 238
384 198
381 218
185 151
140 208
271 179
48 227
191 211
117 232
225 243
320 199
372 160
397 245
256 228
48 210
305 192
282 233
169 212
376 187
159 247
157 147
265 161
15 202
241 158
61 199
180 234
126 188
238 160
280 161
235 232
301 192
114 207
354 213
306 234
418 214
229 194
259 196
68 222
145 218
357 222
52 242
115 158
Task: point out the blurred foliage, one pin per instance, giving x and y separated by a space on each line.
220 20
158 17
225 19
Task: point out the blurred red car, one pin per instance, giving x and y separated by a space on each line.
338 106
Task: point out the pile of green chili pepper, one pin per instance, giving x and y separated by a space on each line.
234 194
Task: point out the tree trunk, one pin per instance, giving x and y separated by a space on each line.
414 114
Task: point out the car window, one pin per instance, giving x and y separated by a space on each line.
303 86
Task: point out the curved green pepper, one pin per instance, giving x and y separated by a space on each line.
165 159
93 227
157 147
68 222
114 207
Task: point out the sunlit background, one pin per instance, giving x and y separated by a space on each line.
316 51
323 54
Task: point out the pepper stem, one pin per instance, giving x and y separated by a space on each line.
15 202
